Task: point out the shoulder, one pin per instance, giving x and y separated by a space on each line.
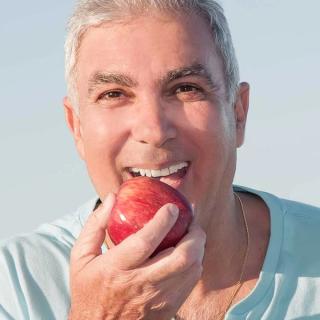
287 208
56 235
301 231
298 237
298 269
301 222
34 267
301 210
294 228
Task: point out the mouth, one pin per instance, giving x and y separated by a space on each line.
172 174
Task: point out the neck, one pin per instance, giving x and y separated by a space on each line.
225 247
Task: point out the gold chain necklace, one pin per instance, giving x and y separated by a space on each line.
239 283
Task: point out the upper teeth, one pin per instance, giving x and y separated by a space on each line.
159 173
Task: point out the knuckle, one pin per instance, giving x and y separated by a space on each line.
196 271
197 264
183 261
200 233
198 268
203 235
119 279
121 282
143 246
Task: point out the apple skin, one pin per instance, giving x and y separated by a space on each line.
137 201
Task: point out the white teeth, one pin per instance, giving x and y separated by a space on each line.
159 173
156 173
174 169
148 172
181 165
177 167
165 172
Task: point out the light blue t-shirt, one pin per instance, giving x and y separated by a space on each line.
34 268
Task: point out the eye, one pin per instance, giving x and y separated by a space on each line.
189 93
110 95
187 88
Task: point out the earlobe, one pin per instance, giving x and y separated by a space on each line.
73 122
241 111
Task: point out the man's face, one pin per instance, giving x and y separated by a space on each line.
152 95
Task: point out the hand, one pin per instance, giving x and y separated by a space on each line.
124 283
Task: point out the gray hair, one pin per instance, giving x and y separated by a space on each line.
90 13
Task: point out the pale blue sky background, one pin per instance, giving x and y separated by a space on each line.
41 176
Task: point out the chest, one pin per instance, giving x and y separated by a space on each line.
213 306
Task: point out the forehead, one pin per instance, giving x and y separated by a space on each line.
148 46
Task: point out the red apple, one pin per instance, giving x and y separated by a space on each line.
137 201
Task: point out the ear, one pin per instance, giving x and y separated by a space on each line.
241 107
73 122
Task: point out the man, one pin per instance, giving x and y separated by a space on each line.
152 84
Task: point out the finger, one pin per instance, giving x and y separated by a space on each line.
135 249
188 251
176 290
188 282
92 236
168 251
181 286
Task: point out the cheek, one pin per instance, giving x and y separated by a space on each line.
212 136
102 140
210 124
212 133
101 137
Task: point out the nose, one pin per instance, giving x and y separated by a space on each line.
152 125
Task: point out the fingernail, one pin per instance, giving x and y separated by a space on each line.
174 210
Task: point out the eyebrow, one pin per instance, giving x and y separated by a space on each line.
196 69
100 78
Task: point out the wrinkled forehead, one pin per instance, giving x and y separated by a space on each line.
149 47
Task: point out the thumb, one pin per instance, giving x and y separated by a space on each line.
88 245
